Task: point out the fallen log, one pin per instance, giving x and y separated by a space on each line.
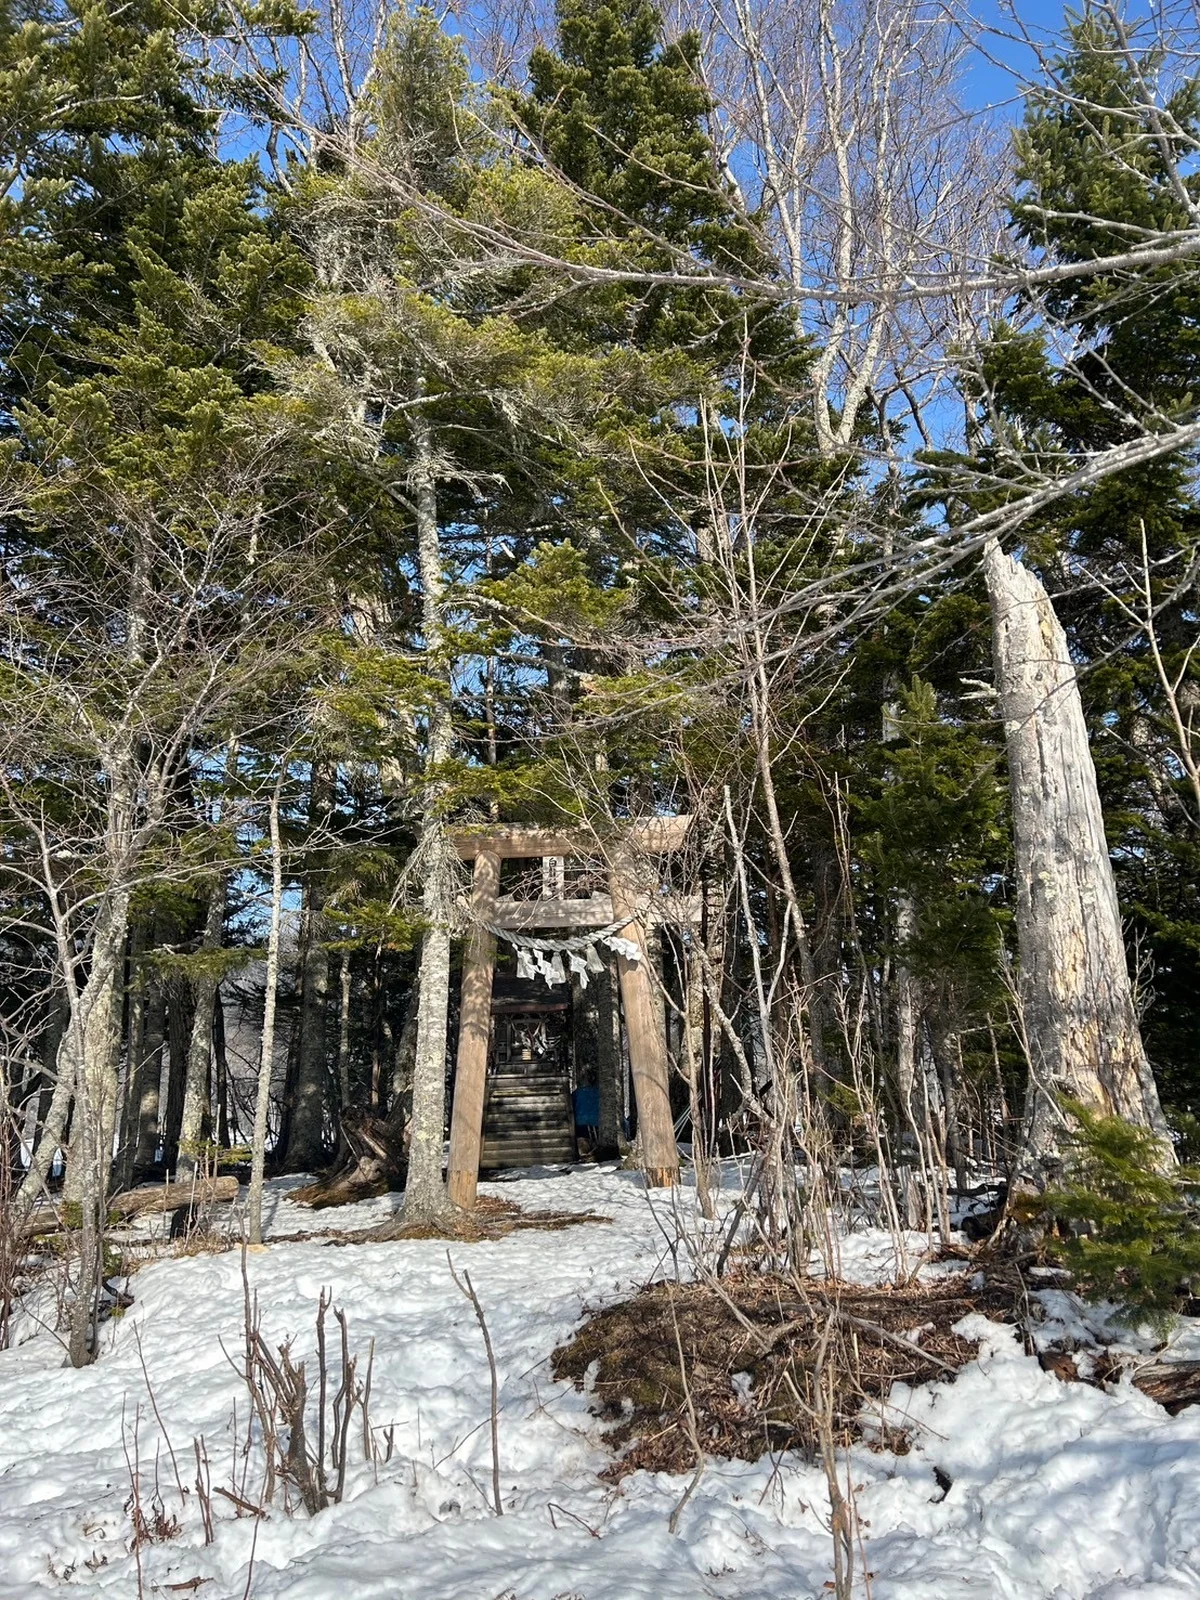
1174 1384
43 1222
174 1196
150 1197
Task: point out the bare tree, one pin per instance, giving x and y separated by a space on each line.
153 656
841 125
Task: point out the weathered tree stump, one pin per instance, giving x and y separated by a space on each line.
375 1161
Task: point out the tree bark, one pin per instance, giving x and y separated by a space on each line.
262 1099
1079 1011
180 1013
343 1055
906 1010
647 1043
90 1050
147 1082
89 1056
196 1120
226 1126
135 1029
425 1196
306 1130
608 1060
474 1033
52 1106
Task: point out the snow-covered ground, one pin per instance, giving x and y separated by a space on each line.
1057 1491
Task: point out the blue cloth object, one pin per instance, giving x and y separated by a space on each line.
586 1101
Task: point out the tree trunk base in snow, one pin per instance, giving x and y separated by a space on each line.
661 1177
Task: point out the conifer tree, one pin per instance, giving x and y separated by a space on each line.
139 270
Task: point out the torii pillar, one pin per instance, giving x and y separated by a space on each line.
647 1048
647 1045
474 1031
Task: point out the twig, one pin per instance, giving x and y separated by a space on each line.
469 1292
739 1211
886 1334
250 1568
135 1495
552 1506
693 1430
241 1503
365 1402
204 1486
137 1339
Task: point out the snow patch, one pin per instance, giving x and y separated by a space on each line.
1055 1491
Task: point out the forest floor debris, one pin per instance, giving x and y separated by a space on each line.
743 1354
492 1218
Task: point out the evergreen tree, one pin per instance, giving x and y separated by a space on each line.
149 506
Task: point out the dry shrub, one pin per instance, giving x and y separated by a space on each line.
786 1340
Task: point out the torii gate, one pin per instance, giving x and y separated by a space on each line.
647 1047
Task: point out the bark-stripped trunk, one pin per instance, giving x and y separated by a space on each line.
1082 1024
906 1011
425 1192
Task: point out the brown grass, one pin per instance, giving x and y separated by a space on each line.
491 1219
776 1332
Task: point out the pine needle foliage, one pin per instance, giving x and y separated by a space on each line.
1131 1229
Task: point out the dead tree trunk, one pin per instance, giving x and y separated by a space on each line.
1080 1017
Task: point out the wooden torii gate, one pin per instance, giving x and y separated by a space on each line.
487 847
